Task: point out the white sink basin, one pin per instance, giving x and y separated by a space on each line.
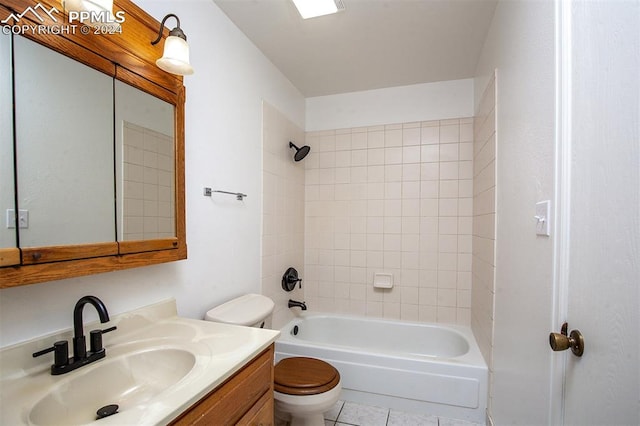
157 366
128 381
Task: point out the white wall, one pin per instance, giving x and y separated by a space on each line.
418 102
520 44
224 151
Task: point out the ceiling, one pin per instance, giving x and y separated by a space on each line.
372 44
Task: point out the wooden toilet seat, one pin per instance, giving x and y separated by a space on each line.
304 376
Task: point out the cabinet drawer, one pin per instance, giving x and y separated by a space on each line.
261 414
235 398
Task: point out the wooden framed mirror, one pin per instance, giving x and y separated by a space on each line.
96 147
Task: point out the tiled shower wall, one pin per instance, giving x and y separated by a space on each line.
397 199
484 222
148 186
282 210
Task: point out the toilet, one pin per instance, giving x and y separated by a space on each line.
304 388
252 310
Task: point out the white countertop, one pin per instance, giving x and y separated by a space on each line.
220 350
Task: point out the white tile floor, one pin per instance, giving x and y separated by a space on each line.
354 414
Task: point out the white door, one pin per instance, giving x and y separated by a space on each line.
602 229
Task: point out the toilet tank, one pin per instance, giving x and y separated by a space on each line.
253 310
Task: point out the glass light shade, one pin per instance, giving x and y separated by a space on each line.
313 8
176 57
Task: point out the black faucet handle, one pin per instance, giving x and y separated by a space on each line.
107 330
95 338
60 351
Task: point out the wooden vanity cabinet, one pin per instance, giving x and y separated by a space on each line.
246 398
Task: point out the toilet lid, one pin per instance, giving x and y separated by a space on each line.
304 376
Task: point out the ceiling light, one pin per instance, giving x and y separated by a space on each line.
175 58
313 8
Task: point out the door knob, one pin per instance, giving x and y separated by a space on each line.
561 341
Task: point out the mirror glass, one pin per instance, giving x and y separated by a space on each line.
64 148
145 159
7 194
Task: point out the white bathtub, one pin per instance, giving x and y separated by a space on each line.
421 368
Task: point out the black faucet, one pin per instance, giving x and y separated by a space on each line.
62 363
296 304
79 342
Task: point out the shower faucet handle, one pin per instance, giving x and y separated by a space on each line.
290 279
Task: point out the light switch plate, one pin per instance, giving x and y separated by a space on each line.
543 218
11 219
23 219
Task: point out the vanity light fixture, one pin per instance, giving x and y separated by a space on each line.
175 58
312 8
89 5
100 12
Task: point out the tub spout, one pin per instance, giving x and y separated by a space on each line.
296 304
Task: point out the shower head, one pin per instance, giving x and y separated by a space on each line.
300 152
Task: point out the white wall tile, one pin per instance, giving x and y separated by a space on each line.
411 154
342 159
393 190
284 195
375 174
375 156
392 137
449 170
375 139
397 198
411 189
480 281
392 225
448 188
449 152
449 134
359 157
343 142
393 155
411 135
359 140
429 189
411 172
430 171
430 153
430 135
393 173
